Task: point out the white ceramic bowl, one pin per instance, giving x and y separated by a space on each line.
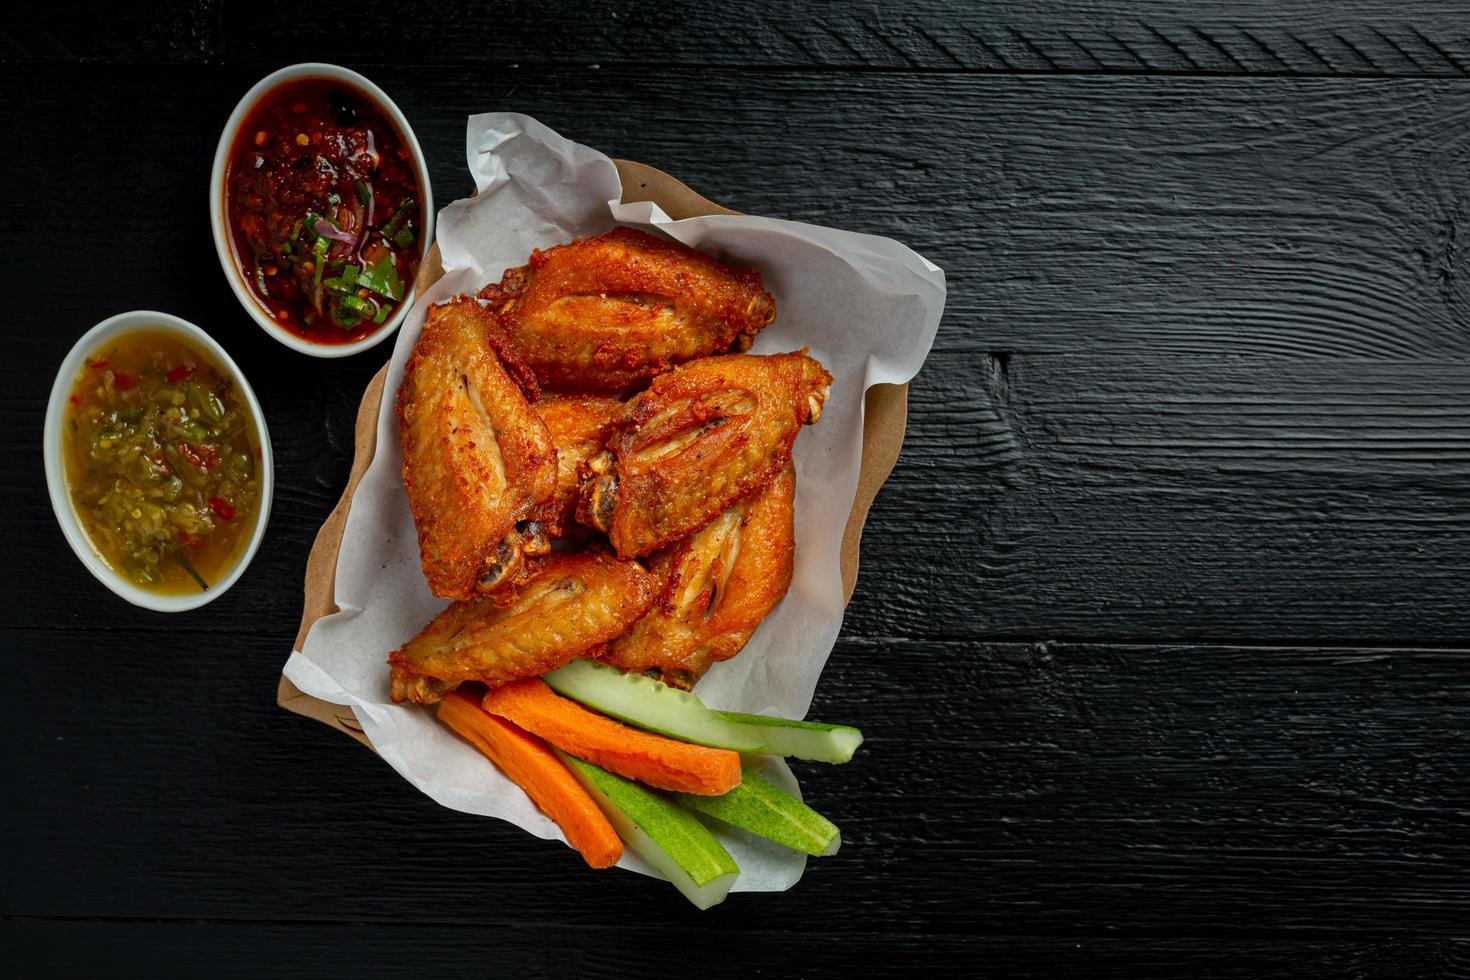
224 244
56 482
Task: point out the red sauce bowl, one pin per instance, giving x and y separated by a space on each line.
321 209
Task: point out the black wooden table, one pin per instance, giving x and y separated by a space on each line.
1161 642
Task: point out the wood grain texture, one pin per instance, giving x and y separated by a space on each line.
558 952
1202 378
1304 218
1177 497
1167 498
1290 37
1030 789
1058 513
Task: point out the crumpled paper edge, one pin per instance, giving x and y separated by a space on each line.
469 272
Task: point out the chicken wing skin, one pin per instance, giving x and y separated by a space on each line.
715 587
700 439
477 459
610 312
569 607
578 425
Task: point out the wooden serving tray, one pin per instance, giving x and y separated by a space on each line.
886 415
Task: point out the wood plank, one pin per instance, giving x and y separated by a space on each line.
1204 790
1157 498
1053 789
1302 218
589 950
1350 38
1173 497
1354 540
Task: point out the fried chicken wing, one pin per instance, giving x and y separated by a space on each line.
610 312
477 459
578 425
569 607
701 438
715 587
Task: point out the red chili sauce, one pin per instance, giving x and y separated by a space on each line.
322 200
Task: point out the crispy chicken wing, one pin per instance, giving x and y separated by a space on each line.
715 587
477 459
578 425
701 438
610 312
569 607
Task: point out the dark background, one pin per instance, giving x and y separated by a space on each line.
1160 642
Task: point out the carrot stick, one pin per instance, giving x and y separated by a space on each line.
648 758
536 769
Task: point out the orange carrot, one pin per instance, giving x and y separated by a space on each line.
536 769
648 758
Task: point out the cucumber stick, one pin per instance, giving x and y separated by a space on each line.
766 811
810 740
647 703
662 833
653 705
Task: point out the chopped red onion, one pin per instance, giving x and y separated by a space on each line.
324 228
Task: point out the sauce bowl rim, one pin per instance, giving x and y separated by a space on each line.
143 321
219 217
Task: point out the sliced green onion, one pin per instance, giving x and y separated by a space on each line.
344 283
358 305
364 192
382 278
205 400
343 315
383 312
404 238
320 251
399 216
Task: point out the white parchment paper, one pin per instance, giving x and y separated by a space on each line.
867 308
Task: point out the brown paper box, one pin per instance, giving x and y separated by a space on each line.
884 419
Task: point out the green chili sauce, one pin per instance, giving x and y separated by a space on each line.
163 462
